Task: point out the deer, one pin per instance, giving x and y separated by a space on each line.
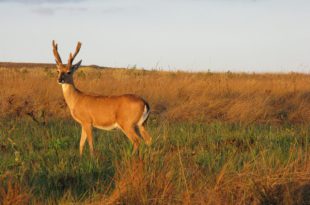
127 112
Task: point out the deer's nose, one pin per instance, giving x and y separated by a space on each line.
61 79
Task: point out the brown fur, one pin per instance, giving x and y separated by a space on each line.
126 112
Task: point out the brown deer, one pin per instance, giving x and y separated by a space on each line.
127 112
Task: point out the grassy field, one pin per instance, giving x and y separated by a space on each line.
173 96
187 164
217 139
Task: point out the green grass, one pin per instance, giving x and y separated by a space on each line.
44 159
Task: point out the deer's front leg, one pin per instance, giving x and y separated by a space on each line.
88 129
82 140
87 134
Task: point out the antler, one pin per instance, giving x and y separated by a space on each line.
71 58
56 54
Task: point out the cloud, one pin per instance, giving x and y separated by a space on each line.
113 10
40 1
49 7
44 11
48 11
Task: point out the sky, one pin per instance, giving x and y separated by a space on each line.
192 35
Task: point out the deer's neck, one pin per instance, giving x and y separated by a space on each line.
71 94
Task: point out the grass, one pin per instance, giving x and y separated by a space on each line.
173 96
199 163
218 138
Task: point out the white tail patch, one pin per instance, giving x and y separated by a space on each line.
144 116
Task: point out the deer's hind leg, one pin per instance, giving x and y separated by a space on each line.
130 132
145 135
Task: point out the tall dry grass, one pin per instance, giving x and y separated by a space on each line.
176 96
188 163
11 192
139 182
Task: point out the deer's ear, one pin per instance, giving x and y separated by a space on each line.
76 66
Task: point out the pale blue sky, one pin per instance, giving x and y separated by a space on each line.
220 35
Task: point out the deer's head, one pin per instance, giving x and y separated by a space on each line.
65 72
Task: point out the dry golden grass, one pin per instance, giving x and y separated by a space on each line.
189 163
12 193
138 183
176 96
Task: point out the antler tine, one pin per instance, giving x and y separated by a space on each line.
71 57
56 54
